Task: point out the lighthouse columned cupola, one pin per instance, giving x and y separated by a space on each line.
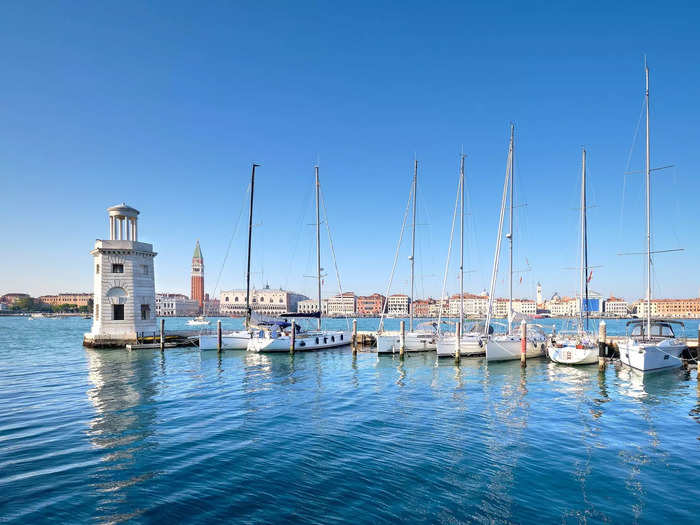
123 223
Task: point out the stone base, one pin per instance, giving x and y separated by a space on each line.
109 341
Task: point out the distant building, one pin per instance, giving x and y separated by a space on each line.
175 305
524 306
421 307
398 305
197 277
370 304
616 306
212 306
435 310
267 301
78 299
310 306
679 308
341 305
10 298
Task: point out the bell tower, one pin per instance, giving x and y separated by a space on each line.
197 281
124 285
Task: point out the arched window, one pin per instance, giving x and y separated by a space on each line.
235 299
226 299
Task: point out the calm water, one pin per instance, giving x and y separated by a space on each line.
106 436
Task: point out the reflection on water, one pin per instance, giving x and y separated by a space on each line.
122 394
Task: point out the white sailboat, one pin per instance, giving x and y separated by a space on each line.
505 347
276 339
579 347
200 320
470 343
423 338
650 344
236 339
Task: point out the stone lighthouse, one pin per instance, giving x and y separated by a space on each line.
124 286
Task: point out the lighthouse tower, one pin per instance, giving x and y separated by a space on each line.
124 286
197 283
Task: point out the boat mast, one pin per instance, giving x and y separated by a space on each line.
584 248
413 241
648 191
250 241
510 234
318 248
461 240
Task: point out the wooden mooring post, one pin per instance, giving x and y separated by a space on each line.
162 335
523 344
219 346
458 347
354 336
602 345
402 338
293 338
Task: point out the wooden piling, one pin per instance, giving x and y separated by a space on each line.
293 338
523 344
402 338
162 335
697 354
354 336
218 336
458 346
602 337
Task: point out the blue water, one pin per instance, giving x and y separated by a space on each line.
107 436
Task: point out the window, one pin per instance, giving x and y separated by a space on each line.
117 312
226 299
97 268
144 268
235 299
117 268
145 312
97 312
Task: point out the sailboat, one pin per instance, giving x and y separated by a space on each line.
236 339
579 347
505 347
276 339
424 338
650 344
470 343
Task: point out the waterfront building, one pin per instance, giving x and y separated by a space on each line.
342 305
398 305
197 277
310 306
421 307
370 304
124 286
3 307
434 309
525 306
679 308
10 298
78 299
267 301
175 305
616 306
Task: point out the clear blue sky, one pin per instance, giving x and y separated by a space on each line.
165 104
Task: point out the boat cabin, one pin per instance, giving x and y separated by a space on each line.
660 329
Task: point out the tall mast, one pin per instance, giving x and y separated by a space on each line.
318 247
648 190
461 239
250 240
584 247
510 234
413 241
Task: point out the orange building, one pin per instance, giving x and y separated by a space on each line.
421 307
370 304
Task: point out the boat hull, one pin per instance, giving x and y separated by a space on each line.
570 355
649 356
229 341
303 342
507 348
414 342
470 346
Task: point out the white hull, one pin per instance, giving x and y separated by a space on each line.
237 340
414 342
198 323
471 345
655 355
507 348
304 342
570 355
